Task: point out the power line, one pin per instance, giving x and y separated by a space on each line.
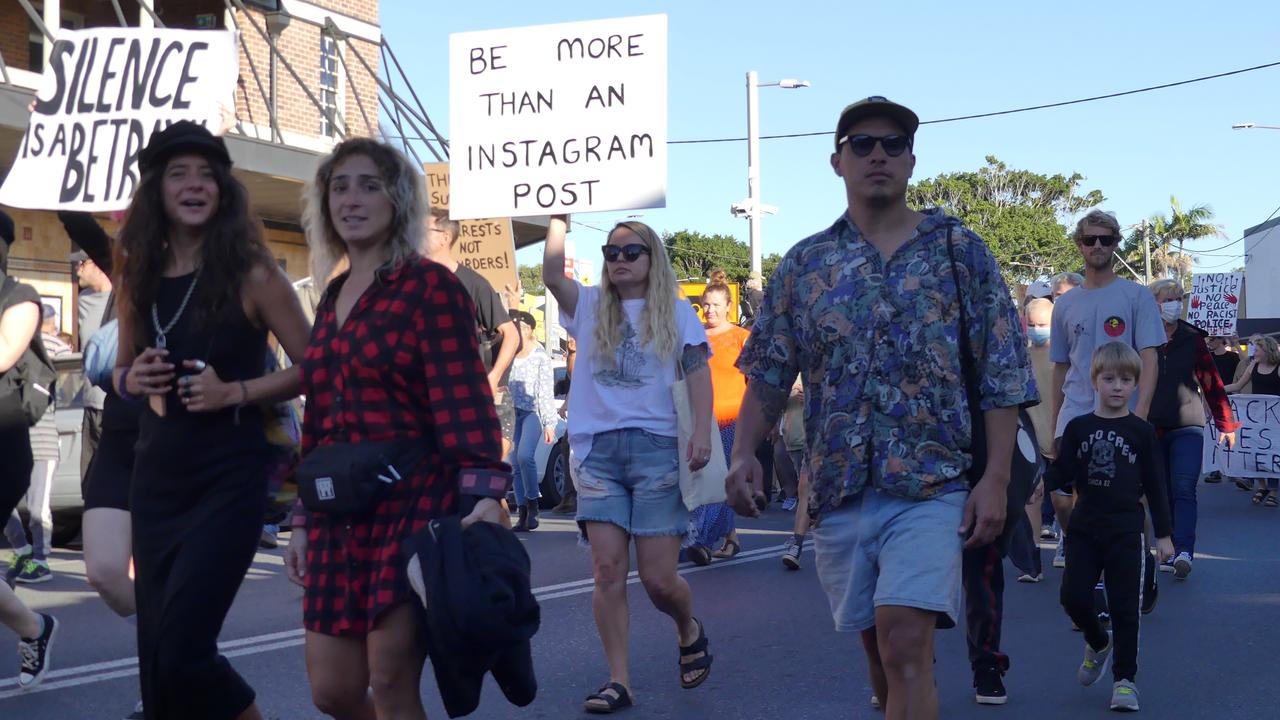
1029 108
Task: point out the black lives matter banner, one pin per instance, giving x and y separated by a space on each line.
1256 452
103 93
559 118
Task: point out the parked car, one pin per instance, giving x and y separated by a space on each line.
66 499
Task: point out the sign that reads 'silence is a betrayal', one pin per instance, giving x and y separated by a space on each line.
486 245
559 118
103 93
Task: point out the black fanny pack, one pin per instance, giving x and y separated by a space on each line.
350 478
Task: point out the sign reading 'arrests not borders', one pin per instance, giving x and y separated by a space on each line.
103 93
562 118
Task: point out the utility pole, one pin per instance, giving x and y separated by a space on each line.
1146 249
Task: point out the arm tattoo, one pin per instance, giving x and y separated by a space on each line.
772 401
693 359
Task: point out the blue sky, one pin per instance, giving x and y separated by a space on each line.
942 59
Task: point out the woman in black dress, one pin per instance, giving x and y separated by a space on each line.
199 294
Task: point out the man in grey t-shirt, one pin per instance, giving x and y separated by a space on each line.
1104 309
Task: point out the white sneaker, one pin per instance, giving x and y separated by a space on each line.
1095 663
1029 578
1182 566
1124 696
1060 557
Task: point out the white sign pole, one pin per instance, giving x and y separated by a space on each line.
559 118
103 93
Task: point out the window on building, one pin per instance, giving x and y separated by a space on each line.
35 39
329 86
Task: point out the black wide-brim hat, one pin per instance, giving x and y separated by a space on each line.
182 136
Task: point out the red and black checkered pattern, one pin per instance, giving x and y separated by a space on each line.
405 364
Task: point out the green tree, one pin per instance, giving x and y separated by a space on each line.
1019 213
1177 227
694 255
531 279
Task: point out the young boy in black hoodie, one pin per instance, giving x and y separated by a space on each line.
1113 459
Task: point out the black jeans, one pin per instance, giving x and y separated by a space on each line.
983 571
1118 558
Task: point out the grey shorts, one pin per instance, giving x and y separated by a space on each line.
878 549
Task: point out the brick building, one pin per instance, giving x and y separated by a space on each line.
326 42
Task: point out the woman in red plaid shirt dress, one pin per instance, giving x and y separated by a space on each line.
393 355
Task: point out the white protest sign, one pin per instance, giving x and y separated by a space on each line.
1256 452
103 93
1215 302
559 118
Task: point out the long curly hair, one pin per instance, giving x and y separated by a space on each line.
232 246
403 186
658 320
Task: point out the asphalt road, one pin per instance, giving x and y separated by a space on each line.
1207 652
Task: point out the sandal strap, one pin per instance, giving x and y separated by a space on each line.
697 646
622 700
701 663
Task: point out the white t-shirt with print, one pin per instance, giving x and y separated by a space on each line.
632 389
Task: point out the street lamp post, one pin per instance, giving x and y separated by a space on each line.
752 208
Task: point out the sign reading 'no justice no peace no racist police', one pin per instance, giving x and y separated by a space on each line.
559 118
103 93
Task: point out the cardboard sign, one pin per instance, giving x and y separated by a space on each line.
486 245
1256 452
103 93
563 118
1215 302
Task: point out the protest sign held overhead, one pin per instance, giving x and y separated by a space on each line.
486 245
1215 302
1256 452
103 93
565 118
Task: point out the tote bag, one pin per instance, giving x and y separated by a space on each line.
706 486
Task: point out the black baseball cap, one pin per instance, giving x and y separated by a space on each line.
876 106
78 256
521 316
183 136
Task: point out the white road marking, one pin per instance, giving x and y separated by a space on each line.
257 644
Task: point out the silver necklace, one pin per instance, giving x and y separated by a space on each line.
161 332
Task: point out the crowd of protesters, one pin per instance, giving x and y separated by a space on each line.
881 380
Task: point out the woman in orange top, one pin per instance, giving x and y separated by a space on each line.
711 523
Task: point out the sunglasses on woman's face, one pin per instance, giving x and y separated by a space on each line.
627 253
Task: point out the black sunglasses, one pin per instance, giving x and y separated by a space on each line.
628 253
862 145
1105 240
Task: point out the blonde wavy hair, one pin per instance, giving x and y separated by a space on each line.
1268 347
658 321
403 187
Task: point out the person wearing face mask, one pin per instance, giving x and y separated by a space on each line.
1039 317
1186 373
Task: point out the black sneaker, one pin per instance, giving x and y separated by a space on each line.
989 685
35 654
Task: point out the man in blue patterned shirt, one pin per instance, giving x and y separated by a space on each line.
867 313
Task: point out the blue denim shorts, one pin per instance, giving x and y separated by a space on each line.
879 549
631 478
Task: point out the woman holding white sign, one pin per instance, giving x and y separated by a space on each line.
634 335
1187 373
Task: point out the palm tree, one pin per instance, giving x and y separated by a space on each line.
1180 226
